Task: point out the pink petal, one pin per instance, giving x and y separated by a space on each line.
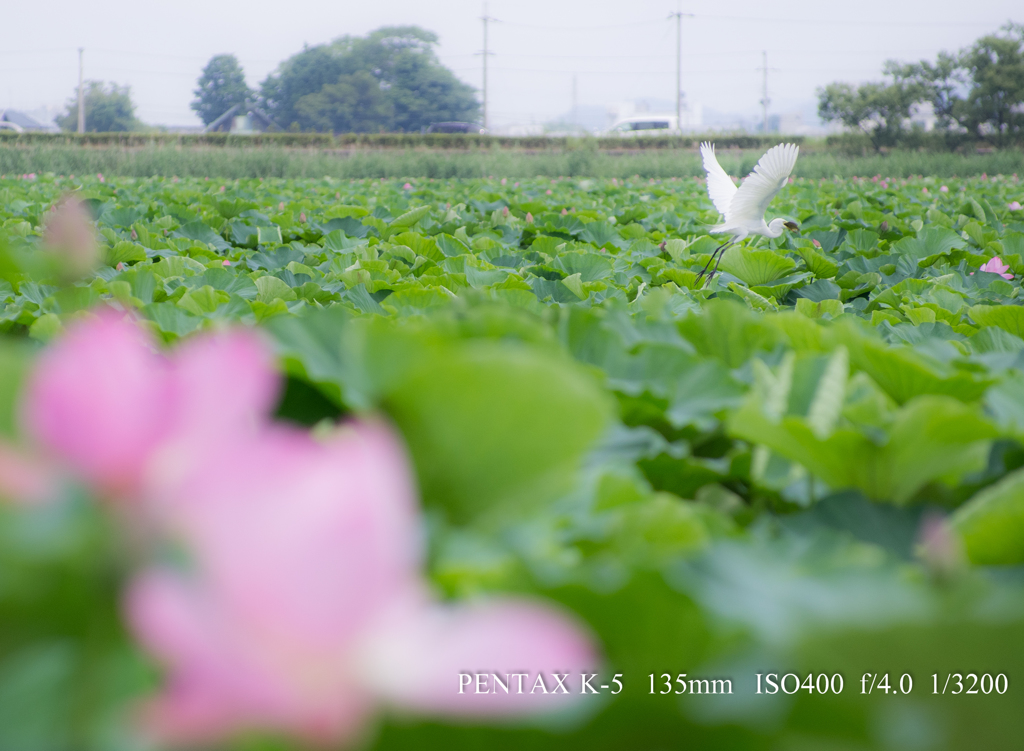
302 537
422 659
221 682
99 399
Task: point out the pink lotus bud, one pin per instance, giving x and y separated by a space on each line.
816 243
134 234
226 262
120 266
548 192
504 180
280 206
940 547
71 237
99 176
885 185
943 189
223 188
302 217
529 218
504 211
337 196
1014 206
984 176
25 478
564 212
407 186
516 185
924 190
448 205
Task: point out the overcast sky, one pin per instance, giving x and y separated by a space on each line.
618 50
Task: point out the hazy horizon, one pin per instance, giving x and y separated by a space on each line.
615 52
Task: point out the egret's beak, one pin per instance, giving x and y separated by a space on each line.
792 226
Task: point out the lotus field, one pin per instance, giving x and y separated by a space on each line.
482 464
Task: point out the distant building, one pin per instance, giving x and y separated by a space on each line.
242 120
691 115
20 121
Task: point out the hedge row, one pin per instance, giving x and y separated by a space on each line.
455 141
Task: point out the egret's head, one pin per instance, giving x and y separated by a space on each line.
793 226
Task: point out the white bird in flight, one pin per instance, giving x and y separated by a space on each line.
743 208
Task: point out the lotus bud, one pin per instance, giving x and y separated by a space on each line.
223 188
504 180
564 212
1014 206
70 237
943 189
280 206
99 176
529 218
407 186
302 217
226 262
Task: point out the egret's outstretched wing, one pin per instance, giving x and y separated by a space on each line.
757 191
721 188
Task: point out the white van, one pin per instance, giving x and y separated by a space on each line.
646 125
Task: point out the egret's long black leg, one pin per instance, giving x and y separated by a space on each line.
713 253
712 274
724 247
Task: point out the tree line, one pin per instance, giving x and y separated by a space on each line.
388 81
975 94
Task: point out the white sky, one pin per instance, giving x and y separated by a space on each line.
619 50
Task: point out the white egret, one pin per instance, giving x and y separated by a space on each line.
743 208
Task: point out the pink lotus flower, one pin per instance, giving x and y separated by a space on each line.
924 190
548 191
884 185
1014 206
407 186
504 180
104 403
303 608
226 262
943 189
996 266
99 176
120 266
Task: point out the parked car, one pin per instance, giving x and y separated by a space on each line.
454 127
646 125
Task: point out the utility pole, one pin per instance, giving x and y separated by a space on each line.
81 94
678 15
574 110
764 90
486 53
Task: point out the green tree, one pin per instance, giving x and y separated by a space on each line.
355 104
414 88
220 87
877 109
943 83
107 109
995 68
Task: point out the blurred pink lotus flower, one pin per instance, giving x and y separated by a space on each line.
504 180
302 217
529 218
280 206
984 176
943 189
924 190
996 266
407 186
564 212
120 266
104 402
70 236
99 176
1014 206
226 262
548 191
304 608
